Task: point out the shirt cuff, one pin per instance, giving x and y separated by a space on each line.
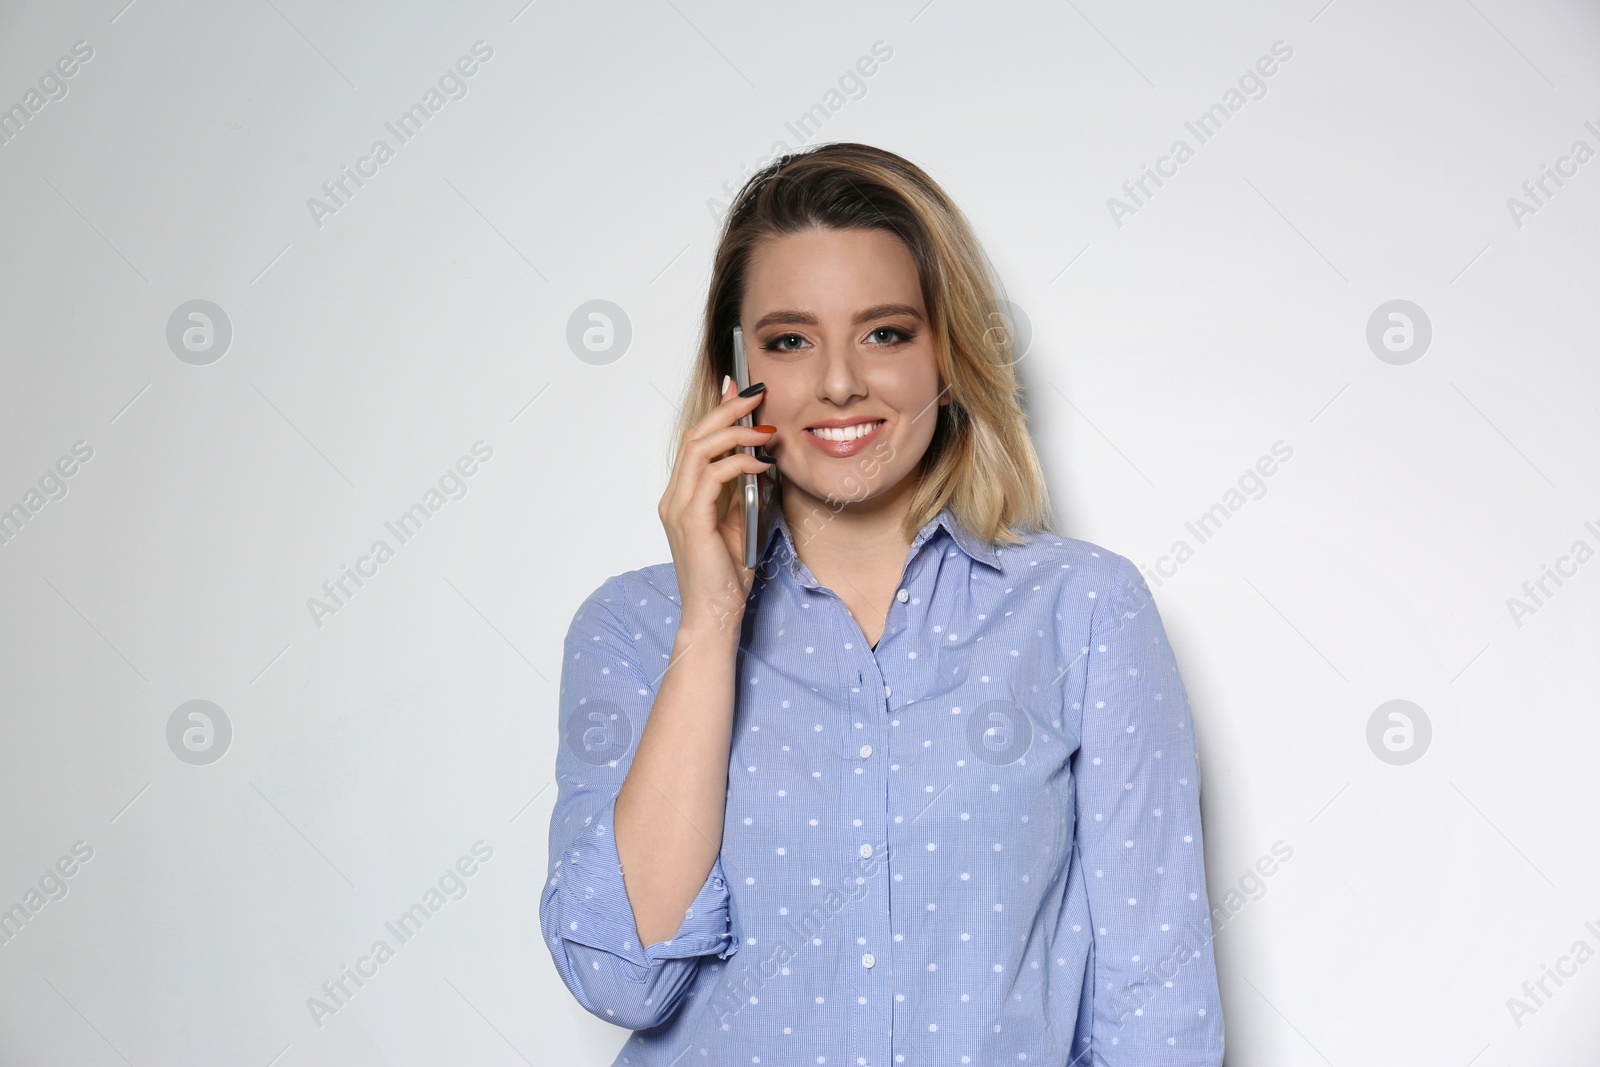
596 910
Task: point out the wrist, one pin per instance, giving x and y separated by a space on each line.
708 629
714 618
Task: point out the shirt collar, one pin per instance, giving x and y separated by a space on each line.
780 543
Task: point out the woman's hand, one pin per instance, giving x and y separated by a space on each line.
708 550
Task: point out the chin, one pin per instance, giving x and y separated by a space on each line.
857 490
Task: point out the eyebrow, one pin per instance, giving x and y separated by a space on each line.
794 315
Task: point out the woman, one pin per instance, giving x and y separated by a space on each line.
921 787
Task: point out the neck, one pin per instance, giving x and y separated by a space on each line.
829 537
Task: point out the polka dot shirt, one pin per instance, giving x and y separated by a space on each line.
977 843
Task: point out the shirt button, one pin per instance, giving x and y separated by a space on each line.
866 750
887 692
865 851
902 596
868 960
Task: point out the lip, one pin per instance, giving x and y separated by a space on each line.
842 449
851 421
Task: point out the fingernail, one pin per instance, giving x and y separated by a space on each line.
753 390
765 428
765 459
725 380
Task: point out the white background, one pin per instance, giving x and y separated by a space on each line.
430 311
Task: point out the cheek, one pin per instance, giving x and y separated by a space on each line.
914 439
911 389
775 412
910 441
775 409
919 410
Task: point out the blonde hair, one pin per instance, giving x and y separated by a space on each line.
980 462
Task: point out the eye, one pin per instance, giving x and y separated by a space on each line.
774 344
895 331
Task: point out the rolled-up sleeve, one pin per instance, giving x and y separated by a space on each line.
584 911
1139 842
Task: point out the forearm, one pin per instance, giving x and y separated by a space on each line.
669 811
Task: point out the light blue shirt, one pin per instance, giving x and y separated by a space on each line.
978 843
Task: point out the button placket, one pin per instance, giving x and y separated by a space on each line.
889 666
870 923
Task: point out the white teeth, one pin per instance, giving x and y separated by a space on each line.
845 433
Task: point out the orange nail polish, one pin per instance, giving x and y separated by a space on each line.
765 429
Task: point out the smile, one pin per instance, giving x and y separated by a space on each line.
842 441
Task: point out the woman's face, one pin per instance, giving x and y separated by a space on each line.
834 323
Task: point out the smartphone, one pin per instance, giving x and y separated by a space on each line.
749 483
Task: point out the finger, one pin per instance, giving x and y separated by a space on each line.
713 477
732 525
722 441
733 528
704 480
725 470
730 409
706 440
698 431
697 455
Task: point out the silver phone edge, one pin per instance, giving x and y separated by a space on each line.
752 490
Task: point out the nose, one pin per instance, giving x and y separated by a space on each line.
840 380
